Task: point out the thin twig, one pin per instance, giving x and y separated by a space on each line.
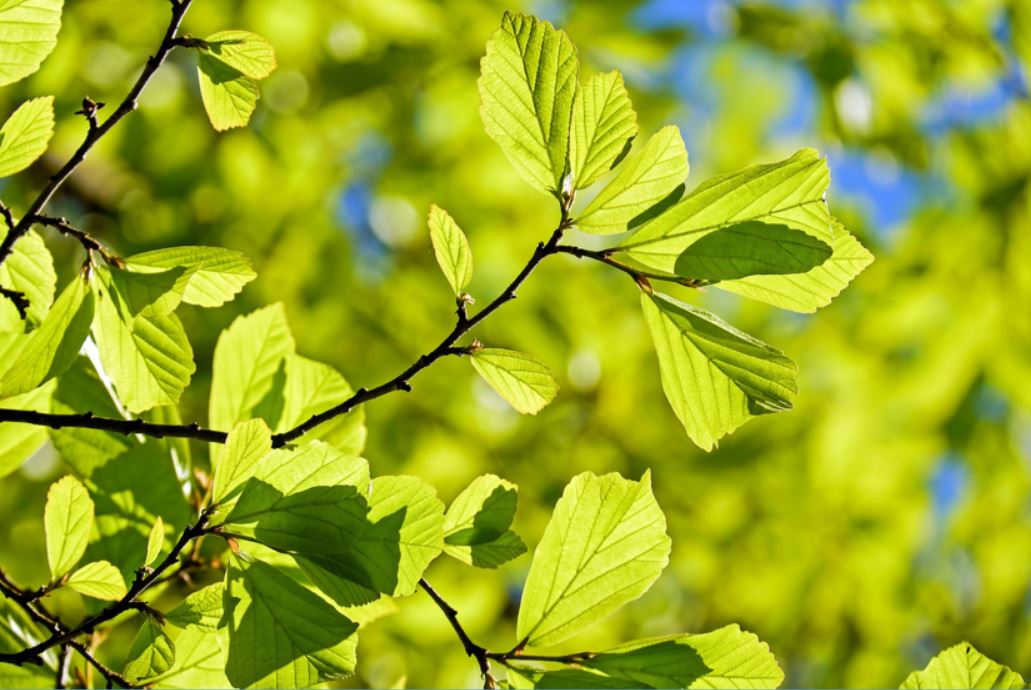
472 649
605 257
88 242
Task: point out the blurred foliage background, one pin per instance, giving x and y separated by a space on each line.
886 517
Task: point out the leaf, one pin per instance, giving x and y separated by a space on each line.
605 545
476 526
151 654
68 518
281 634
229 97
203 609
200 661
147 356
751 248
99 580
526 383
642 181
248 53
714 376
155 542
30 270
962 666
80 388
248 442
604 124
527 81
52 348
18 442
451 249
26 133
725 658
519 677
28 32
247 356
156 293
213 277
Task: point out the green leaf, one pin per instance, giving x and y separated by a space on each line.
527 81
154 293
281 634
200 660
247 356
30 270
18 442
229 97
248 53
399 537
28 32
155 542
52 348
99 580
213 275
725 658
451 249
605 545
604 124
751 248
77 389
26 133
962 666
203 609
520 677
526 383
68 518
147 355
714 376
476 526
151 654
641 182
247 444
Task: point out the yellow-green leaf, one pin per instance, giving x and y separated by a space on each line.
527 384
248 53
28 32
99 580
68 518
604 124
451 249
25 134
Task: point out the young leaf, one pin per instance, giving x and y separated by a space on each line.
247 444
642 181
229 97
147 355
200 660
99 580
962 666
751 248
68 518
528 678
451 249
213 275
605 545
714 376
156 293
52 348
18 442
203 609
527 81
526 383
247 356
281 634
151 654
604 124
155 542
476 526
28 32
725 658
250 54
25 135
28 270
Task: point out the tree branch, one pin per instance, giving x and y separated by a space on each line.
472 649
88 242
640 276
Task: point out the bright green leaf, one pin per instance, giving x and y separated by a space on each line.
202 609
642 181
526 383
156 293
26 133
962 666
605 545
725 658
751 248
604 124
29 270
281 634
229 97
68 518
155 542
451 249
247 444
19 441
151 654
213 275
476 526
714 376
28 32
200 660
99 580
527 81
528 678
248 53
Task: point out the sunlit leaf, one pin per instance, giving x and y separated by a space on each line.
248 53
229 97
476 527
247 444
155 542
19 441
202 609
604 124
28 32
524 382
451 249
99 580
751 248
28 270
151 654
962 666
68 519
26 133
213 275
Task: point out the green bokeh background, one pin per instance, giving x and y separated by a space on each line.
883 519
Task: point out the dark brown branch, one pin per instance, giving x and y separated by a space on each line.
88 242
97 130
639 275
472 649
21 302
